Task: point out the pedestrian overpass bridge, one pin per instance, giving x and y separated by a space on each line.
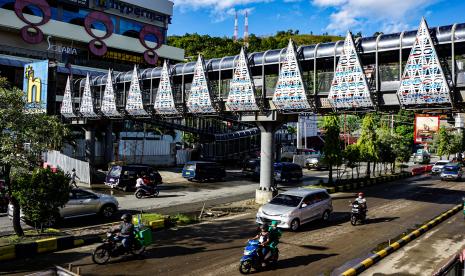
421 70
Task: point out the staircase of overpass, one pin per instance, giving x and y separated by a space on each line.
420 70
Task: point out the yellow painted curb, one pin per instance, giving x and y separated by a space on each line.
395 245
367 262
46 245
350 272
7 252
78 242
157 224
382 253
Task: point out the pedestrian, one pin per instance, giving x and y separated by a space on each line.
72 182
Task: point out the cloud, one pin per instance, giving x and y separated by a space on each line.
222 15
217 5
391 15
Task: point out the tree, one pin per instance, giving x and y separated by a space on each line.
40 194
443 142
386 143
292 130
23 139
352 156
367 142
332 148
190 138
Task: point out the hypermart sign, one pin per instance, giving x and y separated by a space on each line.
127 9
35 86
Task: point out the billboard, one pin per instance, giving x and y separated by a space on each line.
425 127
35 86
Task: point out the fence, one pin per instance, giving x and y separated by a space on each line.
67 164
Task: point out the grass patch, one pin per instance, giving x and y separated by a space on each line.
30 236
183 219
146 218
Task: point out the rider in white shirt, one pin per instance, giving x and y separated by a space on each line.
140 182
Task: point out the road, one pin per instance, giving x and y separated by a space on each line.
177 195
318 249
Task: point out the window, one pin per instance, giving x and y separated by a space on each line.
79 194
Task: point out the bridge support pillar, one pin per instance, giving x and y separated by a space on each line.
90 144
267 188
109 143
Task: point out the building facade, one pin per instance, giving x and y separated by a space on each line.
84 36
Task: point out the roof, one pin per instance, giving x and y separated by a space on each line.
303 191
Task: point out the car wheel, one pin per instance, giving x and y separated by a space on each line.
325 216
295 224
107 211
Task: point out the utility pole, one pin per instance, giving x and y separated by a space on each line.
246 30
236 29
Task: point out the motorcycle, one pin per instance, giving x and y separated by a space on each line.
251 259
112 248
146 192
357 213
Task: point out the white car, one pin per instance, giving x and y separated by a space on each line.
438 166
296 207
83 203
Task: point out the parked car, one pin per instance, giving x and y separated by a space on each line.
295 207
452 171
316 162
283 171
251 167
82 203
421 157
286 171
125 176
438 166
203 171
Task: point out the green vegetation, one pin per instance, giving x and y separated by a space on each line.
332 147
182 219
367 141
217 47
446 143
23 139
146 218
40 194
30 236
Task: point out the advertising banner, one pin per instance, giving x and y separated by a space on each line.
35 86
425 127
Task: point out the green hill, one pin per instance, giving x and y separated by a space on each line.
216 47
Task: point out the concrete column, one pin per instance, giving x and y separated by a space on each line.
109 143
299 132
90 144
267 188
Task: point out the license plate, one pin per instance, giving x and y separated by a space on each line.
188 173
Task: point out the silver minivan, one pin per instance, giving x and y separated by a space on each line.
296 207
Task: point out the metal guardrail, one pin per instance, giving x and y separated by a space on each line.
58 271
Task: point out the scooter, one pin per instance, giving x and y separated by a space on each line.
112 248
146 192
357 213
251 259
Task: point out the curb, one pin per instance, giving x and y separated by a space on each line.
376 257
363 182
30 249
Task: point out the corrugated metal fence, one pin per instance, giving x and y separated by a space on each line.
67 164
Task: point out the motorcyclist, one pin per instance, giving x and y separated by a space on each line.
140 183
362 202
264 239
126 231
275 235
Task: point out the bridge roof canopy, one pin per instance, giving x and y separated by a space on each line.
385 42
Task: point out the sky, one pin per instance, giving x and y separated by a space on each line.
266 17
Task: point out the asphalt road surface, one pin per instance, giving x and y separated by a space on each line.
215 248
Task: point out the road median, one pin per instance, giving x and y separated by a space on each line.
379 255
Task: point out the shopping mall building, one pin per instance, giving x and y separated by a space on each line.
82 37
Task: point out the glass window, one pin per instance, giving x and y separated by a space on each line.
286 200
83 194
115 171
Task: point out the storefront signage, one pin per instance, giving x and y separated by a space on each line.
128 9
35 86
61 48
82 3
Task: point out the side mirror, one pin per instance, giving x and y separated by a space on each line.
303 205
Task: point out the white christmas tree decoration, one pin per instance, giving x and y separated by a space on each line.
108 101
164 101
134 103
199 98
67 105
87 106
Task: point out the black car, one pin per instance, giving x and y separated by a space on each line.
202 171
125 176
286 171
251 167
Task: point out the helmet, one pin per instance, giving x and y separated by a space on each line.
361 194
274 223
126 217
